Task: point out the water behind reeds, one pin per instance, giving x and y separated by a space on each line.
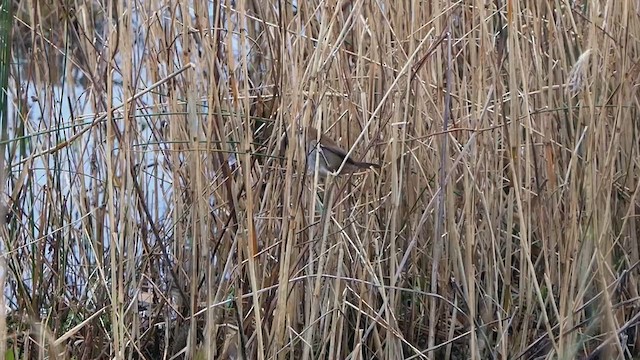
157 206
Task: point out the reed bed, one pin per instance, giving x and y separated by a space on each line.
156 203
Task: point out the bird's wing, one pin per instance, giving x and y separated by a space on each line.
329 145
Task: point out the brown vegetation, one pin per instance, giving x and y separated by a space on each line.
166 212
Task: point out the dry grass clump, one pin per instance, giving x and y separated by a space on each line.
157 204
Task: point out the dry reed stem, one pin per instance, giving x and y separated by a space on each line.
172 216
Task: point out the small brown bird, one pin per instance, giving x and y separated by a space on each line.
332 156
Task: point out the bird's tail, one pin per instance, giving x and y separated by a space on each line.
365 165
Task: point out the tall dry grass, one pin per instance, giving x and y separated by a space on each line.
163 212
